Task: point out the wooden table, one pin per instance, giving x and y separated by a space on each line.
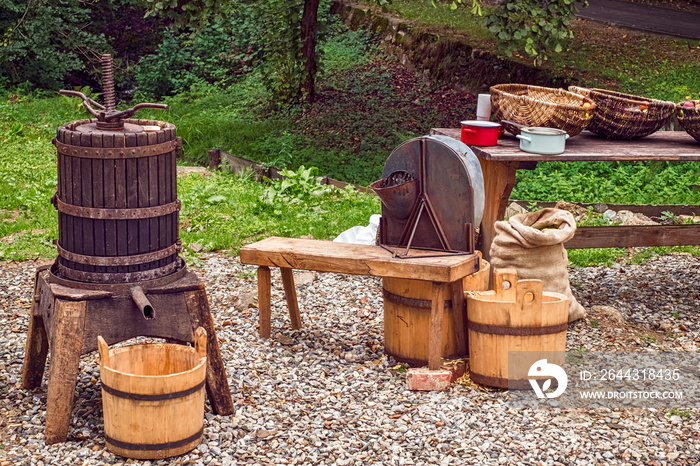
445 272
499 164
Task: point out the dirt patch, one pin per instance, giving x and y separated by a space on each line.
613 327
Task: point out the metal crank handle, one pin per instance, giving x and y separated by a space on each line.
128 113
87 101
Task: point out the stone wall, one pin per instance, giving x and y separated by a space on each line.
444 58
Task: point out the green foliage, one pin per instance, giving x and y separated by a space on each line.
684 413
298 187
190 59
537 27
613 182
42 42
56 44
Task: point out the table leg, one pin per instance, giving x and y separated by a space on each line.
66 344
499 179
437 310
290 293
264 300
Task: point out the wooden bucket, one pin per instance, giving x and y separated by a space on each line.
153 397
407 305
515 316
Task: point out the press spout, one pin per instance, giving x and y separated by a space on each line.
142 302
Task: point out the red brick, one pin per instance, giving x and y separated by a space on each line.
427 380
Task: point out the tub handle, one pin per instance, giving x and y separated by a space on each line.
524 138
529 296
104 351
200 342
504 282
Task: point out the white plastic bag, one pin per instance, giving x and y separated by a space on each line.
361 235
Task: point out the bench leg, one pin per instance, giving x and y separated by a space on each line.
264 300
436 314
66 345
458 316
290 293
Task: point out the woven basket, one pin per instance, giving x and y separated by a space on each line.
540 106
689 119
625 116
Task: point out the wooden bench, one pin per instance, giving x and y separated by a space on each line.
445 272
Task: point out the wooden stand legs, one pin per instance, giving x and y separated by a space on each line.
217 387
66 321
66 345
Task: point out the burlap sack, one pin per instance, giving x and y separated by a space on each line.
533 244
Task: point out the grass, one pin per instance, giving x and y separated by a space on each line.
223 212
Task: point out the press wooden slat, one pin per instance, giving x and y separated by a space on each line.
169 197
98 200
143 198
77 199
87 201
162 221
132 201
109 201
120 199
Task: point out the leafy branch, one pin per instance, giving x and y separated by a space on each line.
540 27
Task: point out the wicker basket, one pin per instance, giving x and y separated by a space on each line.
540 106
689 119
625 116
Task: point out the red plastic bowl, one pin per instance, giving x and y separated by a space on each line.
481 133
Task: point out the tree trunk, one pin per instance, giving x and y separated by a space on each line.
309 21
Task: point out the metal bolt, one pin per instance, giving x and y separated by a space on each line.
108 82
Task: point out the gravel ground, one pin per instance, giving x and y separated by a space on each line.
327 394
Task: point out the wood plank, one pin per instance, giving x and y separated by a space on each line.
662 145
635 236
357 259
650 210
